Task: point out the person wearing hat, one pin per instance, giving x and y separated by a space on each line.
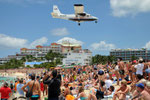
141 93
5 92
147 88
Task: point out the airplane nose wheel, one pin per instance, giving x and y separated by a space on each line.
79 24
96 21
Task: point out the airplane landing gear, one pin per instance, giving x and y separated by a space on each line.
79 24
96 21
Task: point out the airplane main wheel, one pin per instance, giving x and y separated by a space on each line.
79 24
96 21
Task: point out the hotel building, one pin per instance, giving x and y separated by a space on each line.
65 48
126 54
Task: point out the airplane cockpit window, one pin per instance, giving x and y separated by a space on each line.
88 15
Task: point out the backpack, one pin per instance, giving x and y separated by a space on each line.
29 93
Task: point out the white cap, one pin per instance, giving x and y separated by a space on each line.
148 84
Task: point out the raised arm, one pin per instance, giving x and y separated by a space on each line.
23 88
126 91
45 79
118 89
78 97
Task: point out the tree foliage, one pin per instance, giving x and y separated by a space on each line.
13 63
99 59
133 57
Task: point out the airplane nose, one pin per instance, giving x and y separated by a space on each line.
96 18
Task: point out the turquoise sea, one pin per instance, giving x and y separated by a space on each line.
6 79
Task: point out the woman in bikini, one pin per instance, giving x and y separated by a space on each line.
81 94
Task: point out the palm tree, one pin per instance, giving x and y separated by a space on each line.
50 56
133 57
99 59
23 59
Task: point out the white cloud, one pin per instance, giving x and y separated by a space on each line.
70 40
147 45
37 1
102 45
40 41
60 32
13 42
129 7
25 1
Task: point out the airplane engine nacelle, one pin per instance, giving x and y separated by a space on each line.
79 8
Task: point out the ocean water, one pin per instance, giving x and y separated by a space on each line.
6 79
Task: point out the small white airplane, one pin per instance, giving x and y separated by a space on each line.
79 16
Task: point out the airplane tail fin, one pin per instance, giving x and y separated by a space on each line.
55 12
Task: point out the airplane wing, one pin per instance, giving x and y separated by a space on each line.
79 9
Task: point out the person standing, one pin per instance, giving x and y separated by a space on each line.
117 72
12 86
139 68
16 82
42 86
38 78
121 68
28 80
19 86
53 85
5 92
35 87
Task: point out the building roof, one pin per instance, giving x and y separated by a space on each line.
23 49
39 46
33 63
55 44
71 45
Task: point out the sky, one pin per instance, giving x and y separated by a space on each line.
27 23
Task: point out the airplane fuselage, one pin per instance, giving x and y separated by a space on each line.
77 18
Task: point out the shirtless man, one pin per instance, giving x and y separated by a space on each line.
141 93
121 68
36 92
67 90
147 88
130 70
122 91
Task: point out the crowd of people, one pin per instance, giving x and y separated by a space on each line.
114 81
